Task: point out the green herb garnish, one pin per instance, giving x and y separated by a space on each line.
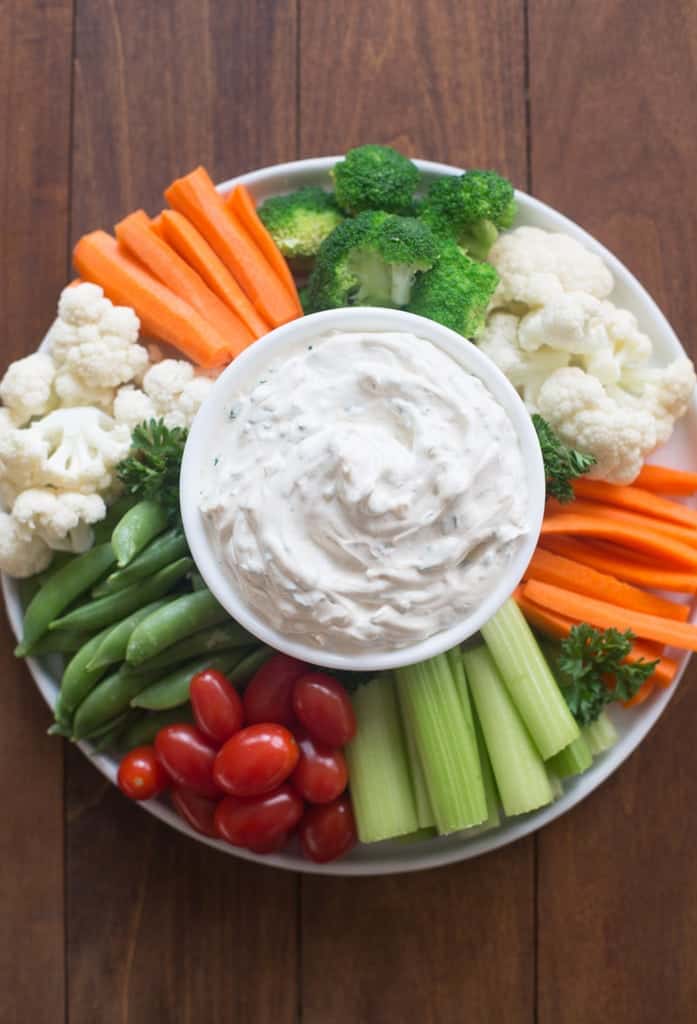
152 468
562 464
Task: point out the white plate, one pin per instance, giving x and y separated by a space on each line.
633 725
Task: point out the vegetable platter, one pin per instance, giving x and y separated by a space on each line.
412 852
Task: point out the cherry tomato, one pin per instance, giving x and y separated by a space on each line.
217 705
260 823
256 760
269 695
323 707
196 810
321 773
329 831
141 776
188 758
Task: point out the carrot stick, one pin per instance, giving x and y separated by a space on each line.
157 226
195 196
241 205
644 691
193 247
135 234
666 480
559 626
99 258
606 616
686 534
636 500
628 535
563 572
621 563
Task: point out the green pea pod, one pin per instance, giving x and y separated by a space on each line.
173 689
107 610
108 737
60 641
136 529
28 588
164 549
177 620
198 582
78 679
108 699
113 647
145 729
68 583
223 637
105 527
59 559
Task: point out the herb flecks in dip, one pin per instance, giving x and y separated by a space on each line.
367 490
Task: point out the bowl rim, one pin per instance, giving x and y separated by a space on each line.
285 340
430 853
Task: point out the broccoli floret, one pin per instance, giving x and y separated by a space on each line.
299 222
456 292
375 178
371 260
471 209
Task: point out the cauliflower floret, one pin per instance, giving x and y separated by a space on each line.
7 423
664 391
21 554
95 343
73 390
62 519
132 406
527 371
571 322
71 449
537 266
620 437
175 391
27 387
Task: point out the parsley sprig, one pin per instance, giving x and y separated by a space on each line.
151 470
562 464
592 672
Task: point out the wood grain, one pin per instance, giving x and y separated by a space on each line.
614 147
161 928
443 81
35 48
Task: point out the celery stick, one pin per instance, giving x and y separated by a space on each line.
572 760
601 734
424 811
555 783
383 802
445 742
529 680
457 667
519 771
417 837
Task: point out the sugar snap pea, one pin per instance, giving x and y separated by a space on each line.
108 699
28 588
114 607
59 559
136 529
166 548
146 727
107 737
173 689
198 582
223 637
60 590
178 619
60 641
112 649
105 527
78 679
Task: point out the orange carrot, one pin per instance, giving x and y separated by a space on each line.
625 565
686 534
193 247
241 205
135 234
99 258
605 616
195 197
666 480
157 226
559 626
644 691
636 500
630 536
563 572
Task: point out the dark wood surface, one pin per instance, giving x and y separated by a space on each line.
105 914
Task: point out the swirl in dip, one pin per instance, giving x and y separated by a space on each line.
366 491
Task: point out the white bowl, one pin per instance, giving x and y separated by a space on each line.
633 725
213 415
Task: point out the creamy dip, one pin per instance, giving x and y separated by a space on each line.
367 490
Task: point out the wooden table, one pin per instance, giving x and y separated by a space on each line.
106 915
